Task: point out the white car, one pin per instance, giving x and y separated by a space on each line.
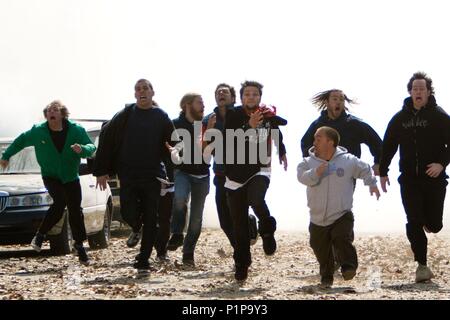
24 202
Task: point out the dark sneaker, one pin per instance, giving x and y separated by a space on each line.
269 244
162 257
141 265
326 282
175 241
253 229
82 255
37 241
348 273
188 259
241 273
133 239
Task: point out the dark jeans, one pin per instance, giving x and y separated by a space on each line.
223 211
338 236
64 194
164 215
139 204
423 201
252 195
163 223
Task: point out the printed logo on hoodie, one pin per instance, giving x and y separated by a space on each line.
414 123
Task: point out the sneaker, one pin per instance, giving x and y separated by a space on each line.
241 272
82 255
141 265
188 259
348 273
326 282
269 244
175 241
423 273
253 229
37 241
133 239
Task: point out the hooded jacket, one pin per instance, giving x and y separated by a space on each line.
423 136
353 132
63 165
331 196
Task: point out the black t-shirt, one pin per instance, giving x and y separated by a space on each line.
59 137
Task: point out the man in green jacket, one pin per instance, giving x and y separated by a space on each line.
59 144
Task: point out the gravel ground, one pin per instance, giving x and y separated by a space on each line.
386 272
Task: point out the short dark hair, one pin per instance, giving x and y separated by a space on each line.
246 84
226 85
419 76
320 99
331 134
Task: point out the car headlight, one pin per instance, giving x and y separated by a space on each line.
32 200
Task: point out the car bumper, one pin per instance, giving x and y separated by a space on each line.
19 227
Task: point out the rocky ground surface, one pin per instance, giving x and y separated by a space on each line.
386 272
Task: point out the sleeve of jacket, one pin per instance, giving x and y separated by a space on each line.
22 141
308 139
87 147
389 148
169 135
372 140
444 159
278 141
103 157
362 170
307 175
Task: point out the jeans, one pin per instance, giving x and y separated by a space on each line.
64 194
423 201
139 204
197 189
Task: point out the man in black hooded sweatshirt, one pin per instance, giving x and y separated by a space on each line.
422 130
249 131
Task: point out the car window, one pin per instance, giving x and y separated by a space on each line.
22 162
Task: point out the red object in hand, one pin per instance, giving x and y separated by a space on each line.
268 111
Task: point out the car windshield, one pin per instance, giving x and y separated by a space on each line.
22 162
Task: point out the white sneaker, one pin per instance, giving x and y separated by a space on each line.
423 273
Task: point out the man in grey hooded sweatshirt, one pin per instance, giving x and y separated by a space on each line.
328 173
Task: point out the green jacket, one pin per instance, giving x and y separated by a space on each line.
63 166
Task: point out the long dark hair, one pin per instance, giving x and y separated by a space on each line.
320 99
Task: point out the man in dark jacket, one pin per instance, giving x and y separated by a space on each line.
191 176
352 130
249 131
132 144
225 98
422 130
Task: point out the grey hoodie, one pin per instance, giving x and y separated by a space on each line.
331 196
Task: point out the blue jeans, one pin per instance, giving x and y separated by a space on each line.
185 186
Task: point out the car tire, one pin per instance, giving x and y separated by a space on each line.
61 244
100 239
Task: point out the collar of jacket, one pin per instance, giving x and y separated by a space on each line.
409 106
324 116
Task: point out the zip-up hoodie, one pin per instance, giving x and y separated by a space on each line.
331 195
423 136
59 165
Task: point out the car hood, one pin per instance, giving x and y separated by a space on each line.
16 184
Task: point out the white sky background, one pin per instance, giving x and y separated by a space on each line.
89 54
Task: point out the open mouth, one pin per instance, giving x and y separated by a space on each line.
143 98
52 118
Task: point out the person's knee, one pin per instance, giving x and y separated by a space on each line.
434 228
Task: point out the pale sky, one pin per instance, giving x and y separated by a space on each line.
90 53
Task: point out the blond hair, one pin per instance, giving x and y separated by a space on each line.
188 98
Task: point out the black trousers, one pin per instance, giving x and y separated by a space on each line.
164 215
64 194
139 204
223 211
338 236
423 201
252 195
